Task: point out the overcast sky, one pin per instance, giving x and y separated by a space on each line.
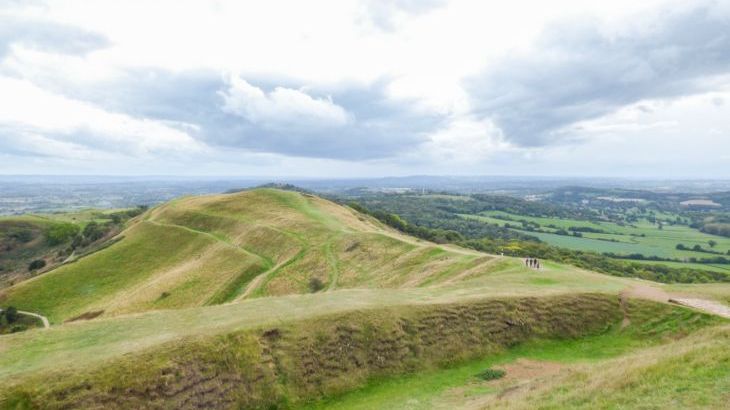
346 88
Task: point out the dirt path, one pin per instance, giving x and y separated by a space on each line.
46 323
43 319
658 295
710 306
256 282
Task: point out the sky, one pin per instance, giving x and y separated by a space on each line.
364 88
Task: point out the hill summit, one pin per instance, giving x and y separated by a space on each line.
216 249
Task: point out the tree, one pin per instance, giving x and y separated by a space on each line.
712 243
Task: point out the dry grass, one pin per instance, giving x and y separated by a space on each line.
214 249
693 372
287 363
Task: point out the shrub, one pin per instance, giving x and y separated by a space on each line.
491 374
23 235
315 284
36 264
11 314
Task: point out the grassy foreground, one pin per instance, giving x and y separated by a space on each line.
457 386
291 363
281 364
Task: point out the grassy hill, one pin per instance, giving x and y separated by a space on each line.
53 239
215 249
208 302
283 351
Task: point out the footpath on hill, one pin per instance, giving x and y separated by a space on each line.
658 295
46 323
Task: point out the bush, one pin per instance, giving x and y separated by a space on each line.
93 231
23 235
491 374
36 264
315 284
11 314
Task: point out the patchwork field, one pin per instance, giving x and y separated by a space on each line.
642 237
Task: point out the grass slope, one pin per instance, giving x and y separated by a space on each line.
290 362
287 363
693 372
457 387
214 249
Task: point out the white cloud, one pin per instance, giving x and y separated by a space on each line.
397 74
282 107
464 141
26 109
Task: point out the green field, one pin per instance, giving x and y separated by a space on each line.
621 240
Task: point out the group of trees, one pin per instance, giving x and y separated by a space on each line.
436 235
699 248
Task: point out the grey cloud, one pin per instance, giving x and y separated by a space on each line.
379 127
577 73
47 36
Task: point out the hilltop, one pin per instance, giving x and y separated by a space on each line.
215 249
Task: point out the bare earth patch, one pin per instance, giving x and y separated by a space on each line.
710 306
519 376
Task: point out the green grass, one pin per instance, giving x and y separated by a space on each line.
690 373
435 388
318 355
722 268
87 342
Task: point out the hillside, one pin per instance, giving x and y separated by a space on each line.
282 351
34 244
208 302
215 249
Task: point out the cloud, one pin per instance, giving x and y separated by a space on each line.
30 113
385 14
365 123
270 115
282 108
581 70
47 36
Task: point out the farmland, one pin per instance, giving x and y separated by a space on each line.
642 237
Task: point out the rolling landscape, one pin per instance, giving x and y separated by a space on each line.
364 205
271 297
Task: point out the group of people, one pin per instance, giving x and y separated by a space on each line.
533 263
